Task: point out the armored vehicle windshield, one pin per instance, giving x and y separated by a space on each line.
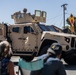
43 27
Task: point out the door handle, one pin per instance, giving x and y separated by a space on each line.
22 38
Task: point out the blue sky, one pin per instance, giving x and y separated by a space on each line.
52 7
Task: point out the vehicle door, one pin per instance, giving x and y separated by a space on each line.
16 37
30 38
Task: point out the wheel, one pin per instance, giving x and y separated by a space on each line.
44 50
70 57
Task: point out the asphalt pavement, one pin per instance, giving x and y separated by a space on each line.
70 69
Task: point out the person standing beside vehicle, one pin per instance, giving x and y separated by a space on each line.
52 64
6 66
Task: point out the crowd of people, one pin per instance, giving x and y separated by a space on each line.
52 64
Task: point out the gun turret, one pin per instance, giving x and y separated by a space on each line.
39 16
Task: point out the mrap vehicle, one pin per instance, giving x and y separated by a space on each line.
29 38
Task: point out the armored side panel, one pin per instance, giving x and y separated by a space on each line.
2 32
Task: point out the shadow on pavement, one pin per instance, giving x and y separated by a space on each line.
70 67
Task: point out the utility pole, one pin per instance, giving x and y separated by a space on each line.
64 8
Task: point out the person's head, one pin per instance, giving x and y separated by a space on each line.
5 49
55 49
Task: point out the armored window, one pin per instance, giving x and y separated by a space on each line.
0 31
52 28
28 29
38 13
19 16
43 27
15 29
43 14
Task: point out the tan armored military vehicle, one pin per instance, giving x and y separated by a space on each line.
29 38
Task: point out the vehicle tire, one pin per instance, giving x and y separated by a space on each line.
44 50
70 57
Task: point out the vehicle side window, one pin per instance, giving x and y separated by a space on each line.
0 31
15 29
28 29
